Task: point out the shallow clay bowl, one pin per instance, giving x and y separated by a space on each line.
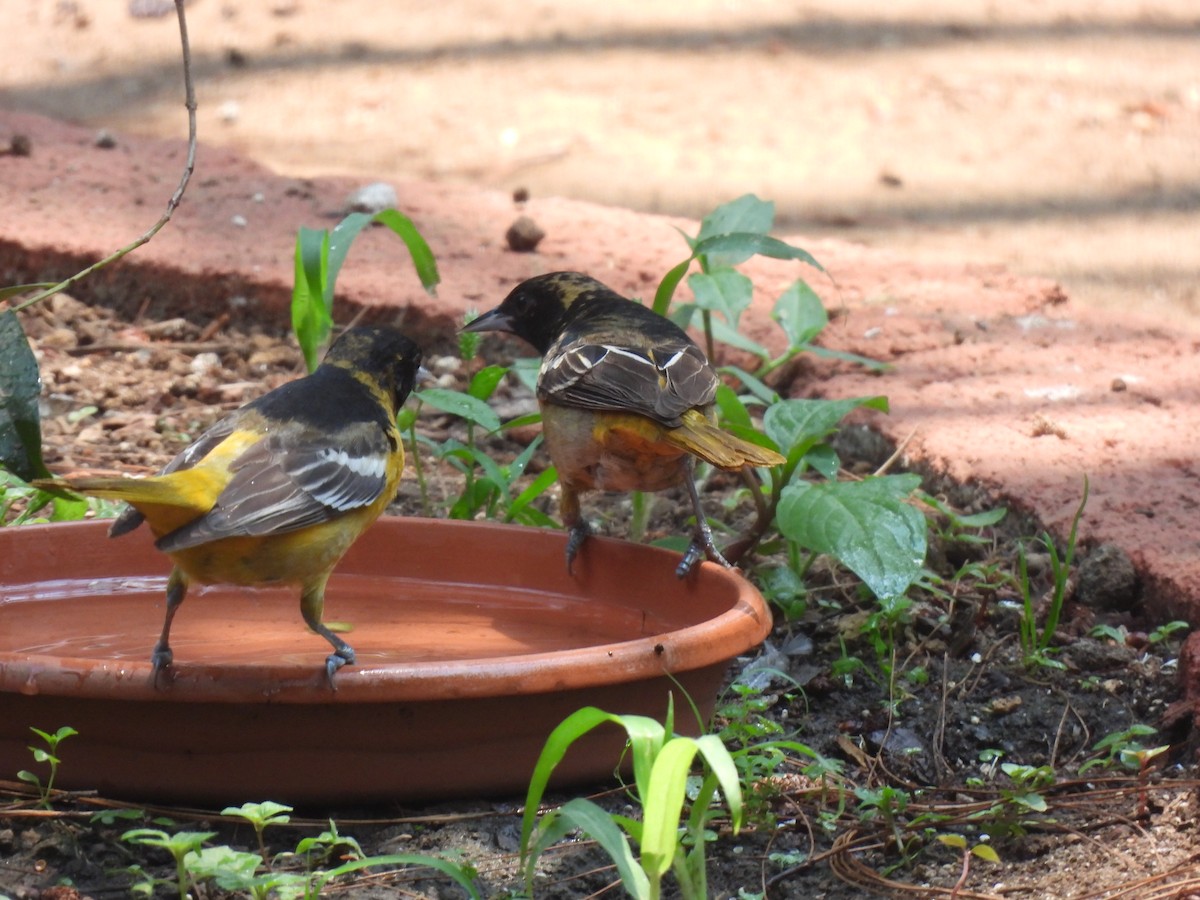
472 643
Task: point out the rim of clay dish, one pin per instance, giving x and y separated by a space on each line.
611 565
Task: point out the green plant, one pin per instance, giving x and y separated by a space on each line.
1035 641
179 845
260 815
661 768
254 874
319 257
48 755
1122 748
488 487
1163 632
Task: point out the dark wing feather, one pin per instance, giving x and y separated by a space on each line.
280 486
661 383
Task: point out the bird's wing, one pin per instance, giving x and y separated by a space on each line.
281 485
659 382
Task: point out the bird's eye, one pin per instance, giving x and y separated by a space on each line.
523 303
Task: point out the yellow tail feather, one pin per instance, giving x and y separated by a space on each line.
193 489
702 438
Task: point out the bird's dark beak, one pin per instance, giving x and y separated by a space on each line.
496 320
423 376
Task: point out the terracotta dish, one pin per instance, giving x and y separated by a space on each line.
472 641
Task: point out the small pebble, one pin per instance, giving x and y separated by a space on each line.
524 235
229 111
372 198
203 363
238 221
104 139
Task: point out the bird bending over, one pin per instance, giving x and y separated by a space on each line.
277 491
627 398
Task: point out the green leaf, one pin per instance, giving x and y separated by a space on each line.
666 287
567 732
14 290
484 383
986 852
746 244
312 320
800 314
602 827
462 405
745 214
663 804
797 425
449 869
20 385
731 408
725 291
866 525
727 334
422 257
721 764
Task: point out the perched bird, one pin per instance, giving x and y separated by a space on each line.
626 398
279 490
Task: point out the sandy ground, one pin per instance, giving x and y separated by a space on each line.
1062 139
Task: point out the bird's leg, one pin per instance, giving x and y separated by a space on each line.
577 526
702 541
312 607
161 657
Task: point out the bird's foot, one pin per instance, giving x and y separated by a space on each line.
578 534
696 549
334 661
160 659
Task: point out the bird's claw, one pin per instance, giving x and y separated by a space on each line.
335 661
160 659
577 535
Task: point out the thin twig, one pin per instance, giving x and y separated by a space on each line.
175 199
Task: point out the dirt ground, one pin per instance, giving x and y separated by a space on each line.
1060 138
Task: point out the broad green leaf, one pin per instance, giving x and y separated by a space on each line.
731 408
20 385
745 214
312 320
725 291
462 405
800 314
747 244
865 525
484 382
824 459
796 425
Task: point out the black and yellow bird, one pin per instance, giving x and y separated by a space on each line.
627 398
277 491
